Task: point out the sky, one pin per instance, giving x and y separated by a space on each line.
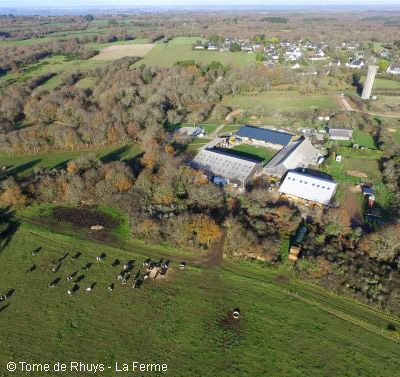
188 3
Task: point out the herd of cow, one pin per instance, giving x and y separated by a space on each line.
152 270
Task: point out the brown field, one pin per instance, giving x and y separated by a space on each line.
120 51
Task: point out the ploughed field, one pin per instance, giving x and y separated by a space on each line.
119 51
286 328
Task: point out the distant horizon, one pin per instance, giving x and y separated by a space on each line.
65 4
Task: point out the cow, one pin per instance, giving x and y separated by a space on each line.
87 266
101 257
56 267
111 287
182 265
34 252
125 279
3 298
76 256
116 263
54 283
146 263
32 268
74 288
90 288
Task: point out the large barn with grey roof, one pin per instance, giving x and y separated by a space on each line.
297 154
235 169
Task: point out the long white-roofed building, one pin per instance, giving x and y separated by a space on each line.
235 169
308 187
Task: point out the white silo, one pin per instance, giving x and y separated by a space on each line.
369 82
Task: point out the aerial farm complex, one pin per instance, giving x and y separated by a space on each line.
294 165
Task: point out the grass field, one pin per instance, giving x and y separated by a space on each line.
255 152
56 64
180 49
20 165
119 51
281 101
286 328
382 84
86 82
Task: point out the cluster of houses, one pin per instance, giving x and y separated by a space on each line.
228 43
290 166
293 52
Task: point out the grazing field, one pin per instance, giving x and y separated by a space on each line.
119 51
281 101
283 327
180 49
22 165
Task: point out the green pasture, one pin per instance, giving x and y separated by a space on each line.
281 102
283 327
180 49
24 164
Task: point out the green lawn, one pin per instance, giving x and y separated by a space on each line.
281 101
286 328
20 165
364 139
257 152
86 82
381 84
180 49
229 129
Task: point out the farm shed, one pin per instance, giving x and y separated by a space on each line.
273 138
340 133
308 187
235 169
297 154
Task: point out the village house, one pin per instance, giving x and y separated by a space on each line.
356 64
394 69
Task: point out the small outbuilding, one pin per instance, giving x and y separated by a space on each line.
336 133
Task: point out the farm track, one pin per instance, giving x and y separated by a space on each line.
351 311
354 312
346 105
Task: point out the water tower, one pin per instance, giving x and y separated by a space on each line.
369 81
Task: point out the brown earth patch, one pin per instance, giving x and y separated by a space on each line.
84 217
120 51
355 173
